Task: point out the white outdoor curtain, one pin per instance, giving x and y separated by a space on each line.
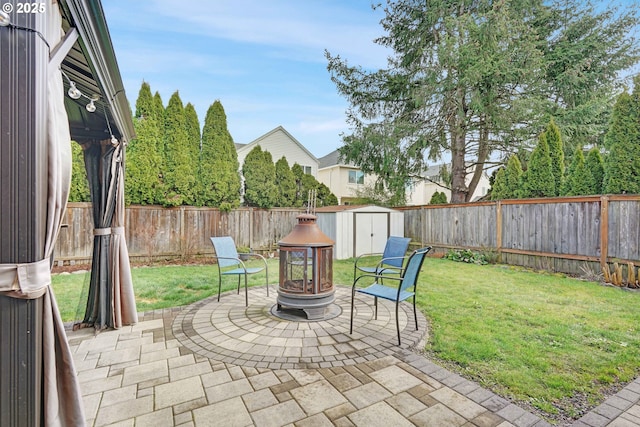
63 405
124 303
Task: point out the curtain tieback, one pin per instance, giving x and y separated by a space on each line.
25 280
102 231
117 230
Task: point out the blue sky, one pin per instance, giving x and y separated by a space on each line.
264 60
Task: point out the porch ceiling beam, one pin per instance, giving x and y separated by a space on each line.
60 51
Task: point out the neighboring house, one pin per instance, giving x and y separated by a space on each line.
420 191
280 143
343 179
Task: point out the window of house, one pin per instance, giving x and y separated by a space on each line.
307 169
356 177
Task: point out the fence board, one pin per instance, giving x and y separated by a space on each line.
562 233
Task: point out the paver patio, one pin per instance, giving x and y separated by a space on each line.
224 364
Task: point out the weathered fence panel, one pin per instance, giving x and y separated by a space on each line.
446 226
157 232
560 234
624 229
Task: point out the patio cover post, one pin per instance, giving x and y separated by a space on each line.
23 197
35 153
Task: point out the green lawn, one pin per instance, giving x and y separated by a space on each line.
542 339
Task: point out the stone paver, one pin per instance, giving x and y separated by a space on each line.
224 364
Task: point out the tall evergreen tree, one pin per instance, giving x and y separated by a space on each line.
158 109
325 196
79 191
306 183
438 198
179 174
587 47
577 179
144 153
192 128
556 151
595 170
499 186
286 183
538 180
622 165
219 175
456 82
513 178
259 173
298 173
462 74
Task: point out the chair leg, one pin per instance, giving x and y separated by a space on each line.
353 294
397 323
219 285
245 278
415 315
375 304
246 291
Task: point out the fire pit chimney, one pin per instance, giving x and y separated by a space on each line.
306 269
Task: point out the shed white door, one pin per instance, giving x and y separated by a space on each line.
370 232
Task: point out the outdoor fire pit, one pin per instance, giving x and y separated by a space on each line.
306 270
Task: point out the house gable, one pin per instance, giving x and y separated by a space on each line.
280 143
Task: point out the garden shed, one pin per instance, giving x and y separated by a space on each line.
358 230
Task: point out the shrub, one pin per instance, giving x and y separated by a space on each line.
466 255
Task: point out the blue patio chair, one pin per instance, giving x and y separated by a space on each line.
227 256
391 261
406 287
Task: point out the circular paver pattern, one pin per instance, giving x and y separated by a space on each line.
251 336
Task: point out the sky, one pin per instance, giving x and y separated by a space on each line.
263 60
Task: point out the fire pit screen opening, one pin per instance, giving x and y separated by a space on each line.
306 270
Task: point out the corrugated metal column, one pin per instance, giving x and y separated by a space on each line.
23 187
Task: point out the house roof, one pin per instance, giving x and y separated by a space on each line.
249 146
91 64
333 159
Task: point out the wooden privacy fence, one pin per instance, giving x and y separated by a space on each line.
157 232
557 234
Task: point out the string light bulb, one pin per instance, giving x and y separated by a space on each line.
5 20
73 92
91 107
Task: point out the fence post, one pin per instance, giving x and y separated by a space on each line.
183 246
604 230
423 228
498 226
251 227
